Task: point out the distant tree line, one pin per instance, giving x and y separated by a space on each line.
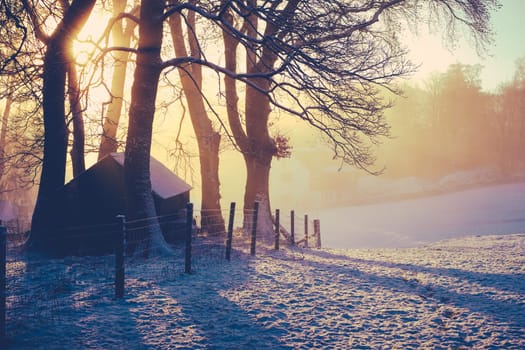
449 124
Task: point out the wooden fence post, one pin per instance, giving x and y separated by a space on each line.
254 227
230 231
277 228
119 258
3 280
306 230
317 233
189 229
292 227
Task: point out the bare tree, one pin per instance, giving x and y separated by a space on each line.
328 60
20 78
509 121
56 62
322 61
208 139
121 34
20 154
254 142
294 62
139 199
3 133
74 94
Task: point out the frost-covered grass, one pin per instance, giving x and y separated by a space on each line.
462 293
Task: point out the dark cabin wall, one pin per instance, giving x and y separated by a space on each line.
83 220
172 212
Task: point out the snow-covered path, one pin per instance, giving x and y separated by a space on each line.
463 293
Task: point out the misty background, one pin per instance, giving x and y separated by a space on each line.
447 135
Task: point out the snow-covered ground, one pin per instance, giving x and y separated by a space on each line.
412 222
466 293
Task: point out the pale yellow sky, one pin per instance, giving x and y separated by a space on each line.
498 62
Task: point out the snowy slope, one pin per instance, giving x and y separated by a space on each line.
487 210
466 293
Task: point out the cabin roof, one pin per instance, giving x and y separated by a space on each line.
164 182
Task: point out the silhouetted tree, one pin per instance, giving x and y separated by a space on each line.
3 134
208 139
20 78
509 122
121 34
322 61
77 150
328 60
139 199
460 104
57 59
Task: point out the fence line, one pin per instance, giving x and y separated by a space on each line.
288 224
254 227
74 281
189 221
230 231
119 259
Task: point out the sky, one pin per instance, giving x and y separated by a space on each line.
498 62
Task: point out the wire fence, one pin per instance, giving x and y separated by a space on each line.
38 288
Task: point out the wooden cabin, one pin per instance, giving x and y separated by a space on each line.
83 215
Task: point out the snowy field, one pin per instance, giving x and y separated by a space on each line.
466 293
497 209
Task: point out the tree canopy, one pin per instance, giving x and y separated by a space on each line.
326 62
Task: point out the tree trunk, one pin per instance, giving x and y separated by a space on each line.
259 157
254 141
121 38
55 134
56 61
257 190
256 145
77 151
3 136
139 198
208 140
